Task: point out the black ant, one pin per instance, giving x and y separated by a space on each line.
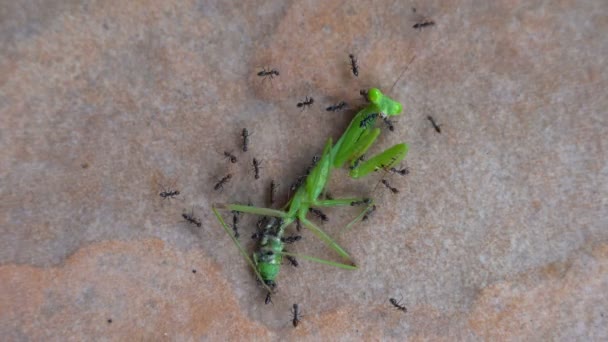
168 194
424 23
368 120
369 213
397 304
385 167
435 125
271 284
189 217
307 102
318 213
394 190
364 201
265 73
389 124
273 190
261 222
256 167
245 134
235 222
222 182
296 319
328 196
262 228
301 179
363 92
230 156
297 183
315 160
256 236
402 172
268 298
337 107
291 239
292 261
298 225
355 164
353 64
267 253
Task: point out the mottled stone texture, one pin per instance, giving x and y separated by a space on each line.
500 232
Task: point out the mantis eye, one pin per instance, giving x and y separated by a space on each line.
374 95
397 108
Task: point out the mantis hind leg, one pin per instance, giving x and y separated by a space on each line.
359 217
324 237
350 202
321 261
240 248
251 210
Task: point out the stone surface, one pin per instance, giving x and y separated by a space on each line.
499 232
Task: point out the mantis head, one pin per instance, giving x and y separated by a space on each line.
387 106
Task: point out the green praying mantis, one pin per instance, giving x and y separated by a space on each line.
350 147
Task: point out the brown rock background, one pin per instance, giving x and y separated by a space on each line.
499 232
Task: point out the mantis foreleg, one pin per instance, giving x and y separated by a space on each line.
384 160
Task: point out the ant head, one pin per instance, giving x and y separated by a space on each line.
276 72
271 283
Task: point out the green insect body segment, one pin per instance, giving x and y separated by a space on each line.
385 160
315 182
268 258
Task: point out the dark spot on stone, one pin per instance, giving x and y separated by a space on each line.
84 165
109 320
193 271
